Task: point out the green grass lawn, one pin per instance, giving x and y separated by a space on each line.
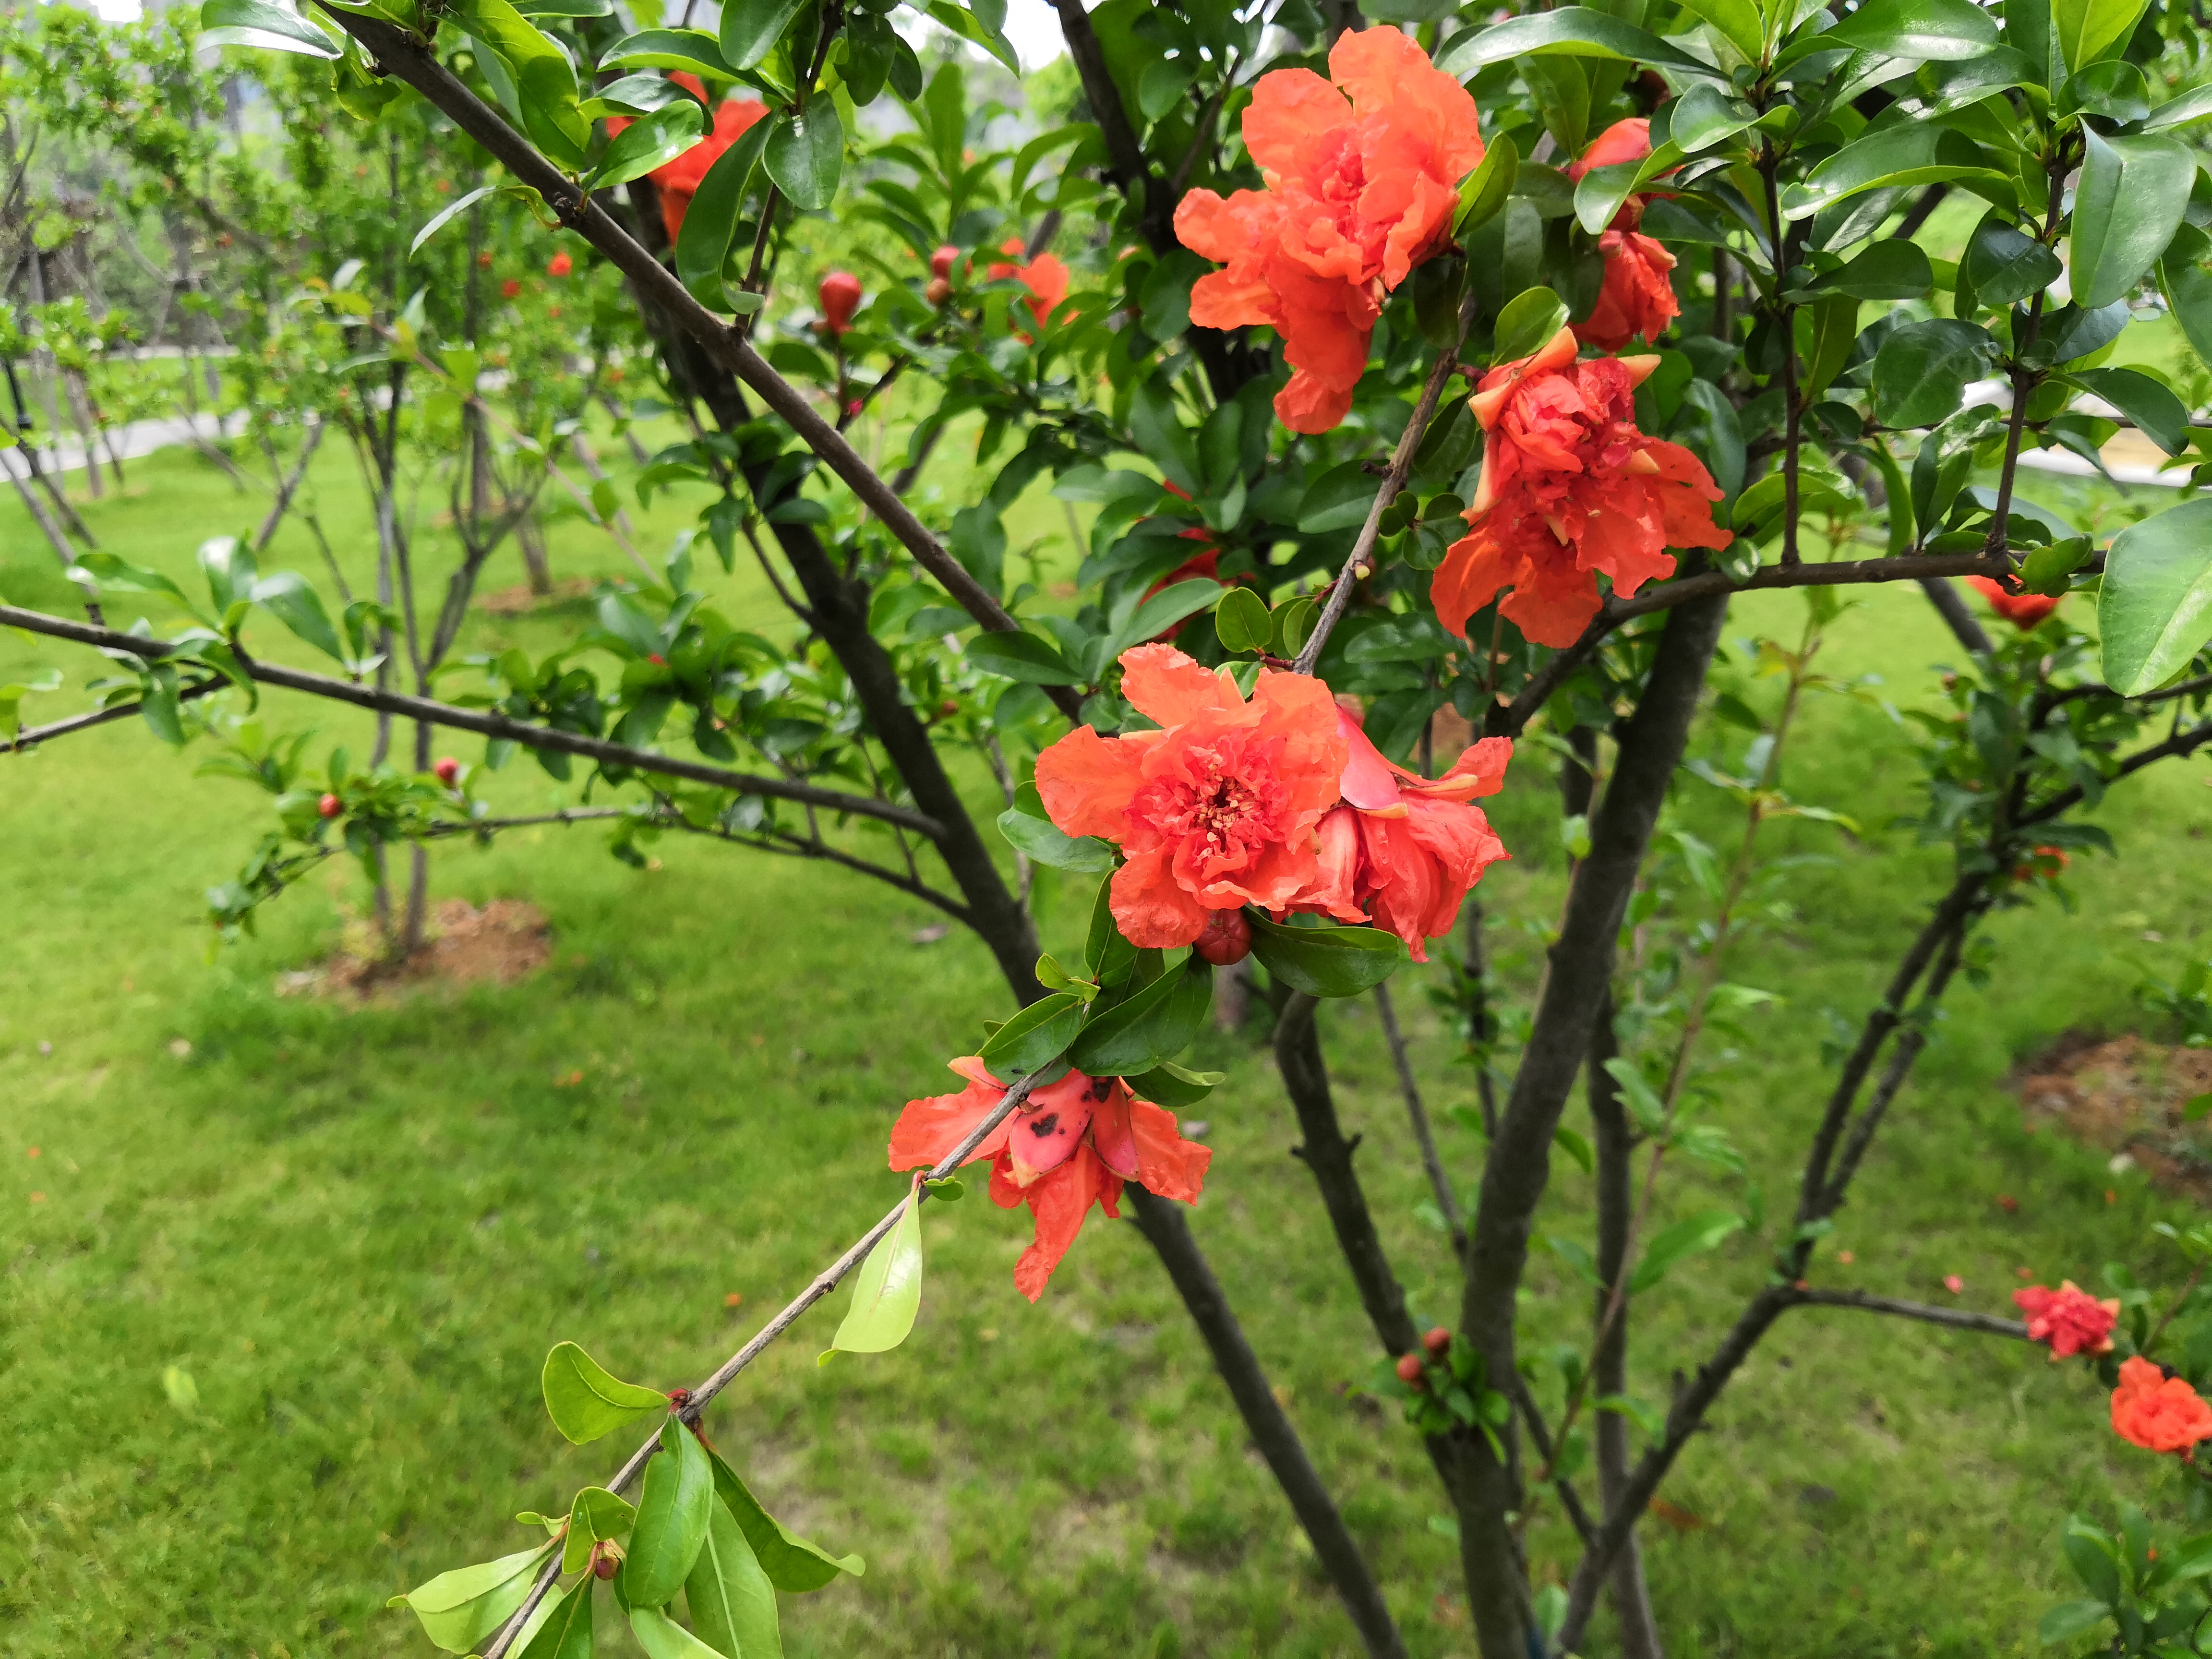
359 1229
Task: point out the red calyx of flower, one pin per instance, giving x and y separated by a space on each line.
329 807
942 261
1410 1368
1437 1341
840 294
447 769
679 1398
1227 939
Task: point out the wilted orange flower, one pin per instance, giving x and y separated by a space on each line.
2156 1412
1069 1145
1569 489
1214 810
1638 296
2069 1318
1357 195
678 180
2023 610
1401 850
1045 277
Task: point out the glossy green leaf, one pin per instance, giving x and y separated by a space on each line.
1889 269
267 27
2154 606
1242 622
651 141
1034 1038
1922 370
1940 31
806 155
967 22
2069 1619
703 244
1572 32
2130 200
728 1595
1338 500
562 1627
1023 657
594 1516
2115 89
1691 1235
750 28
286 596
2003 264
2088 29
1706 114
1154 1025
1044 841
1736 22
692 50
544 81
1326 962
458 1609
1483 196
2160 415
586 1401
1911 153
662 1638
1164 609
114 575
2191 106
794 1565
1174 1086
2187 286
1526 322
886 1291
671 1518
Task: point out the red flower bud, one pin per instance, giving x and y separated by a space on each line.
483 259
603 1560
840 295
941 262
937 292
329 807
447 769
1409 1369
510 288
1437 1341
560 264
853 408
1227 939
657 660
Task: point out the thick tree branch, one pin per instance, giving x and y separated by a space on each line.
1950 605
488 725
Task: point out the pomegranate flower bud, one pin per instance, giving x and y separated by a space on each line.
840 294
559 265
941 262
1409 1367
1227 939
447 769
329 807
1437 1341
938 291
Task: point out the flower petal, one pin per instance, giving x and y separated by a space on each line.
1172 1167
1086 782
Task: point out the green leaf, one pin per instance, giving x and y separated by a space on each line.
594 1516
1176 1086
2130 200
544 81
1152 1025
1889 269
1023 657
1705 114
731 1603
703 245
1338 500
460 1608
586 1401
1164 609
1736 22
115 575
287 597
2069 1619
267 27
2160 415
670 49
671 1518
1028 829
1922 370
806 155
1936 31
1034 1038
1576 1147
965 21
2154 606
562 1627
2088 29
1569 32
662 1638
2003 264
1526 322
2192 106
1691 1235
1911 153
649 141
1242 622
887 1289
1326 962
2196 1107
445 214
750 28
794 1565
1482 197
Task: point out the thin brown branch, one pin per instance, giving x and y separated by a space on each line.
31 735
1418 1115
1959 1319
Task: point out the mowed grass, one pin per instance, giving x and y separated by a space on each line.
358 1230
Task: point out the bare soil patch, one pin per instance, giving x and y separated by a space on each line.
495 943
518 600
2125 1095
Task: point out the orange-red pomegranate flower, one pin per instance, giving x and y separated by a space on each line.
1068 1147
2156 1412
2069 1318
2023 610
1216 810
1045 277
1357 195
678 180
1569 489
1401 850
1638 296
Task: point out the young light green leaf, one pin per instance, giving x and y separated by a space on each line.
585 1401
751 29
662 1638
806 155
286 596
887 1290
595 1515
794 1565
1526 322
671 1518
458 1609
651 141
1482 197
2069 1619
2088 29
2154 606
268 28
452 210
731 1602
115 575
561 1628
2130 200
1689 1237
